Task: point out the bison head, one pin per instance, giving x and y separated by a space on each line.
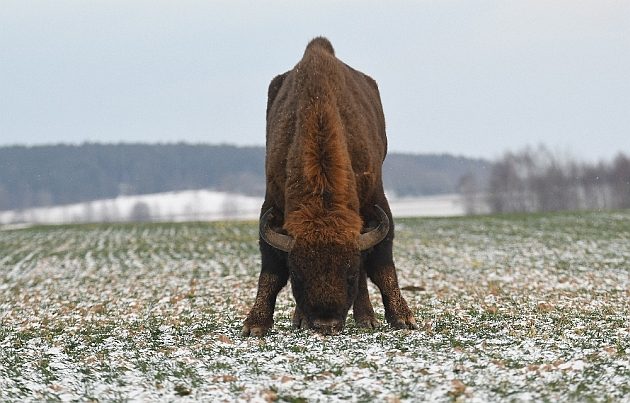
325 275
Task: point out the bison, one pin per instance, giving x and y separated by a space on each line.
325 223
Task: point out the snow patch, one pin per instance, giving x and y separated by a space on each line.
197 205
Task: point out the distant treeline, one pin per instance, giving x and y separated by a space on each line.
537 180
63 174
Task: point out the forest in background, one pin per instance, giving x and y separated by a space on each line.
37 176
538 180
532 179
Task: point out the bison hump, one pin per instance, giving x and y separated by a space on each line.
320 42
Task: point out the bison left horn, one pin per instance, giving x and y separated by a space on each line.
279 241
373 237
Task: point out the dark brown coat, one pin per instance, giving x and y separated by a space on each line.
325 221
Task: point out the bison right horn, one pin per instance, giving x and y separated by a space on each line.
370 239
279 241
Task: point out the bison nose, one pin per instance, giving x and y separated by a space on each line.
327 326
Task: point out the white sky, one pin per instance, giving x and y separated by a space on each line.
466 77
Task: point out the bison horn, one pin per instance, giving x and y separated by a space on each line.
370 239
279 241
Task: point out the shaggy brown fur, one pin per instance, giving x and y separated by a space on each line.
325 148
321 191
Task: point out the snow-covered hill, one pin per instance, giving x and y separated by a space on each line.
190 205
198 205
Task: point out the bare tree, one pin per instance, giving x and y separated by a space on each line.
469 191
620 177
509 188
140 212
538 180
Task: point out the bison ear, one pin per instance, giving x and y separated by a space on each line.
370 239
279 241
274 88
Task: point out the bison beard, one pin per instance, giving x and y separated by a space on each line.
325 223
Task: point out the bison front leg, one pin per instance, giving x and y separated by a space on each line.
273 277
381 270
362 308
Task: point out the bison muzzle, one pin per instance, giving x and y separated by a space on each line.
325 223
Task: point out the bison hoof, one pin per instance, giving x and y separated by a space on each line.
254 331
300 323
298 320
367 323
404 323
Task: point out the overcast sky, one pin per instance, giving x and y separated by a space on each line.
466 77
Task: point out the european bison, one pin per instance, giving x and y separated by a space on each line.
325 223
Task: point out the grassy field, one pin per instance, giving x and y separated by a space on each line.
510 308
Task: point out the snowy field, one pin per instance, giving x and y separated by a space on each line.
514 308
199 205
